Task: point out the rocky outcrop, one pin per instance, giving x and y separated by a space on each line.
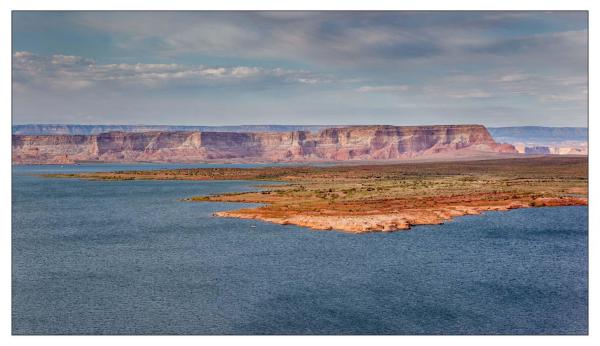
402 220
561 149
345 143
537 150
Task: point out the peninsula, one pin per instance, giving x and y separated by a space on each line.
387 197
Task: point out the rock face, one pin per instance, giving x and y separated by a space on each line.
345 143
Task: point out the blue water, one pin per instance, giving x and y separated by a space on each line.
130 258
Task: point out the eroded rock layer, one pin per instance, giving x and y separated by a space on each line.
346 143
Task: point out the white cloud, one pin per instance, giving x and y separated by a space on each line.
383 89
469 94
510 84
74 72
516 77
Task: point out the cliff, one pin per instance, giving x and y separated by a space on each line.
345 143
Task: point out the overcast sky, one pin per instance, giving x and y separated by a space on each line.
227 68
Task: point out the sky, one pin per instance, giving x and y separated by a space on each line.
343 68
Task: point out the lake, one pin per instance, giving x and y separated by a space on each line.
129 257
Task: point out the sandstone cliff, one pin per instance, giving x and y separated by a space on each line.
345 143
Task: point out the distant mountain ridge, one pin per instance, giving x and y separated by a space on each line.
74 129
539 135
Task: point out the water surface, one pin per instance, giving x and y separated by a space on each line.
127 257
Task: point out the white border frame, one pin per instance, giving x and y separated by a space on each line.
5 183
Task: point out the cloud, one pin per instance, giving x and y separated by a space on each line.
493 86
581 96
383 89
334 37
510 78
533 43
507 67
511 84
469 94
74 72
344 38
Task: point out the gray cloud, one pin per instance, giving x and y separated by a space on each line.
326 37
346 38
574 42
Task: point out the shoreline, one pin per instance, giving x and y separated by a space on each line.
401 221
432 158
385 197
